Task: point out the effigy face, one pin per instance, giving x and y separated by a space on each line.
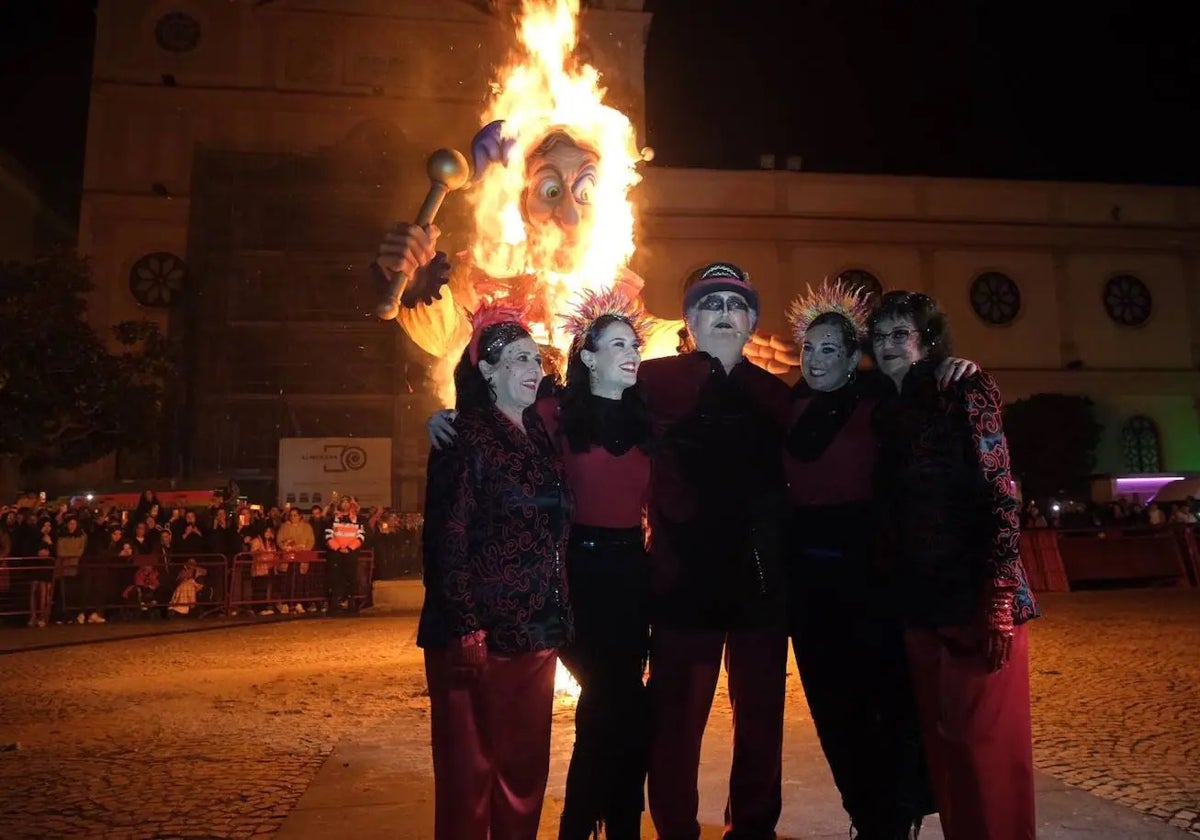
557 204
558 208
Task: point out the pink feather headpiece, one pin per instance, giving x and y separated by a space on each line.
594 305
489 314
829 298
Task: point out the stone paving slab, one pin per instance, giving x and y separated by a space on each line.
372 790
256 728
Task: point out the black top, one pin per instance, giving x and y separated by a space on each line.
717 492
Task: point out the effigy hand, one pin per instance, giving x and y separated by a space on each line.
998 623
407 248
773 353
426 285
488 147
411 250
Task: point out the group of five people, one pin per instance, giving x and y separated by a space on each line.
670 515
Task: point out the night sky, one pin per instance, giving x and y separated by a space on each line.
45 68
1099 91
1106 91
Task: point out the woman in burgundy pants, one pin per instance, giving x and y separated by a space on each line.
495 612
951 532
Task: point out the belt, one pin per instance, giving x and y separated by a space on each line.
591 536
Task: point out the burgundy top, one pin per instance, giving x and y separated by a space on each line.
845 470
610 490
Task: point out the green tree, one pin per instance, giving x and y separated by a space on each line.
1052 440
66 398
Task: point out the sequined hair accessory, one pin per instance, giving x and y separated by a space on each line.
829 299
491 314
593 306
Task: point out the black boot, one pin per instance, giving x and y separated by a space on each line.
575 827
867 828
623 826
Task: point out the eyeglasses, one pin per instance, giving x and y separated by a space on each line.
900 335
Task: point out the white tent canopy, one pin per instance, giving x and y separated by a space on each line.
1178 491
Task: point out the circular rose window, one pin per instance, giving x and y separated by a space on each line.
995 298
1127 300
860 279
157 279
177 32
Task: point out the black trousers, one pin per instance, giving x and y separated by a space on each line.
850 650
609 584
341 581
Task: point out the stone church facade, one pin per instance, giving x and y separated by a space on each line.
243 160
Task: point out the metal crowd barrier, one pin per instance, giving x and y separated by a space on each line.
17 576
281 581
151 586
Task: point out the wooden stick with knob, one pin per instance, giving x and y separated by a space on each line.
448 170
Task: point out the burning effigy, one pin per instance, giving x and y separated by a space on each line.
551 195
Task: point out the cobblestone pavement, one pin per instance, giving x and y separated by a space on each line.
191 735
1116 698
218 734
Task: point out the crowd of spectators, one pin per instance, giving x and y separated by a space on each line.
1122 512
65 562
51 555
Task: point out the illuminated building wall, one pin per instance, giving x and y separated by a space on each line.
265 148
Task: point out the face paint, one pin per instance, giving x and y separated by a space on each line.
721 323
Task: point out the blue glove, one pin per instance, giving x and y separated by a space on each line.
487 147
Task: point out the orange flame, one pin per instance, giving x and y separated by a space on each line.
566 688
543 87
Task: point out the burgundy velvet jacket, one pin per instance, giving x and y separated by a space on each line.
950 516
716 492
497 512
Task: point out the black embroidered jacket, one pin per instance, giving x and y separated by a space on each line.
950 516
497 511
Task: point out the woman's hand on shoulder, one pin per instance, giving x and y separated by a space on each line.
441 428
952 369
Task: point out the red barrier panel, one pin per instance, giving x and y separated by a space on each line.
1185 538
1116 554
1042 560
